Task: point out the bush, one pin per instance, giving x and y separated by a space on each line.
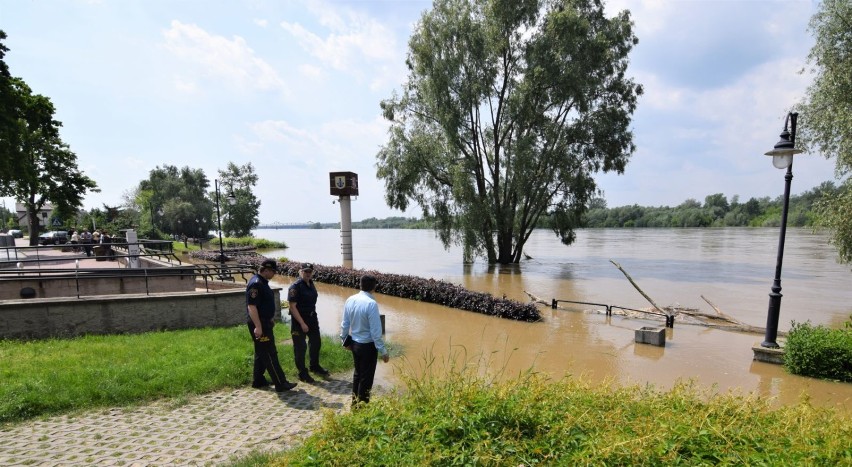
414 288
819 352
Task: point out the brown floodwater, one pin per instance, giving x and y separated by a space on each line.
733 268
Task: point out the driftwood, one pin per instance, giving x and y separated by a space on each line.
692 316
639 289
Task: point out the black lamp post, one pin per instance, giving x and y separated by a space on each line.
782 158
153 225
231 200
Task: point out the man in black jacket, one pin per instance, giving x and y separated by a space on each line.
260 311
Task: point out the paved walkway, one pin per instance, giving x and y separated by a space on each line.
204 430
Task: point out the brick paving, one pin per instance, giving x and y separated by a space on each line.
202 430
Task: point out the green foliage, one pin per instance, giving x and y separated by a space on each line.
819 352
509 110
389 223
180 194
835 213
238 181
826 114
259 243
38 168
460 417
55 376
717 212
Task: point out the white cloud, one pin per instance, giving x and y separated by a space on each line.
261 22
311 71
218 58
352 42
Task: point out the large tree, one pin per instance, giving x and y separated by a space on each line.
826 115
238 181
509 110
44 168
181 196
9 124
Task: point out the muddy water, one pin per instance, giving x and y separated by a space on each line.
733 268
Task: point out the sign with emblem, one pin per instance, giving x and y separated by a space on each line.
343 183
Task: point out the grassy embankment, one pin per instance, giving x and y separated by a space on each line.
54 376
457 416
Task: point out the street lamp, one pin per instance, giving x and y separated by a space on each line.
782 158
153 225
231 200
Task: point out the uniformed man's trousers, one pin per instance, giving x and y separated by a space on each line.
266 357
309 343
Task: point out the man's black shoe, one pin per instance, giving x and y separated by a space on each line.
320 371
260 384
285 386
306 378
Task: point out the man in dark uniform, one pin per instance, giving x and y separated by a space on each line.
260 311
302 296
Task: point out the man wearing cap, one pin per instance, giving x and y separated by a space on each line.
260 310
302 296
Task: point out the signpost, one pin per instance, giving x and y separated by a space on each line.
344 185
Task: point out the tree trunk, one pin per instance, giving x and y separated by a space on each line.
32 222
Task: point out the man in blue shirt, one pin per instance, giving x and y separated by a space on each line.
260 311
361 321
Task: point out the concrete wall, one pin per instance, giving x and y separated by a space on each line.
94 283
127 313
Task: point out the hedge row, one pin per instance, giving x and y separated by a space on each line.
414 288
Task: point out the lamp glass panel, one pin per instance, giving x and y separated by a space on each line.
782 162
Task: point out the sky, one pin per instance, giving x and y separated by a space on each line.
294 86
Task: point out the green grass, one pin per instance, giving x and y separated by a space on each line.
54 376
462 417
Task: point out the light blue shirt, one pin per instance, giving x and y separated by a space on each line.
361 321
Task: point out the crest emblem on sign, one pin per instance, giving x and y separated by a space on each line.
340 181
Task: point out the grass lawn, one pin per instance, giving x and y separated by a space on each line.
54 376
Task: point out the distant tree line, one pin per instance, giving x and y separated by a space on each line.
716 211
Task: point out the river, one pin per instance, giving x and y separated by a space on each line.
732 267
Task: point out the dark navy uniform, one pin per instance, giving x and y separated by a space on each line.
259 294
304 295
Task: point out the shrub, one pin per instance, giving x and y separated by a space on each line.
819 351
414 288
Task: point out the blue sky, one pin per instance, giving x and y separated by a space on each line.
294 88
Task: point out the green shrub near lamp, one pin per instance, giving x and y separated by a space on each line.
820 352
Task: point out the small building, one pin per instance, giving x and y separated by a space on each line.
43 215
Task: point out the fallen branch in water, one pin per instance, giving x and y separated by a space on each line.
639 289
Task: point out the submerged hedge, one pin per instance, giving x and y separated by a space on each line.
414 288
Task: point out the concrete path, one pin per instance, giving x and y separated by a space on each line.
203 430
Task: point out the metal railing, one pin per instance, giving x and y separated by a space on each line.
669 318
209 274
20 260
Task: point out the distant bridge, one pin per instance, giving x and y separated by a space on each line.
281 225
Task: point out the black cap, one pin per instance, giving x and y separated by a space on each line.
269 264
307 267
